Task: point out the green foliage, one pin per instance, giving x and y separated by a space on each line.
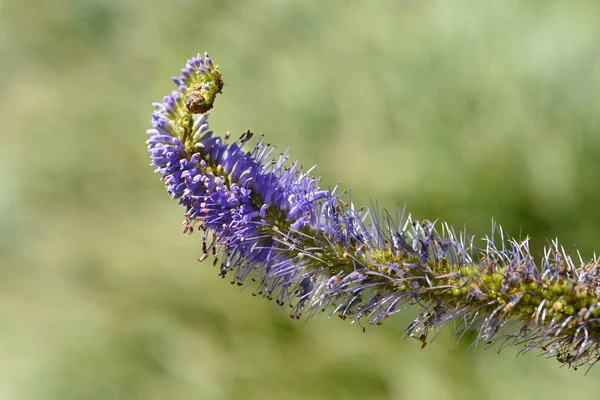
464 111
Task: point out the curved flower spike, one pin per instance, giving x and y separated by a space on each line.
266 221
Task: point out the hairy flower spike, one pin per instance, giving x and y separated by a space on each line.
268 222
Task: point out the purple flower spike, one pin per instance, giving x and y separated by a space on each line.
268 222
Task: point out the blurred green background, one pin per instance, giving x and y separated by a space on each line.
462 110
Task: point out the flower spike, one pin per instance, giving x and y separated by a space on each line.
268 222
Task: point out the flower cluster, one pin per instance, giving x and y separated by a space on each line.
266 221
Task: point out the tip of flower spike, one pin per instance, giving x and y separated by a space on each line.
202 85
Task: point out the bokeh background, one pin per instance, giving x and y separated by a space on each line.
465 111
